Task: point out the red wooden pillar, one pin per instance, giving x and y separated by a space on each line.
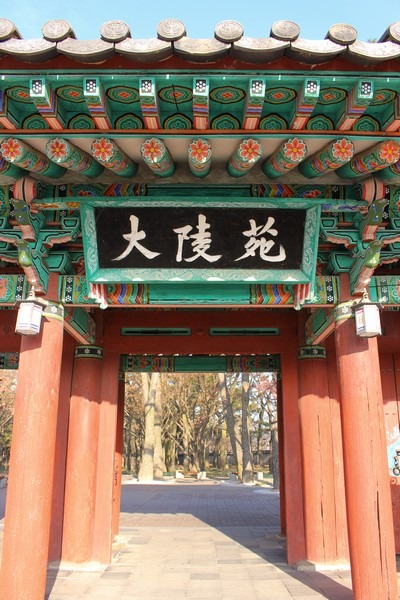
119 442
81 470
369 512
103 528
342 541
390 374
30 483
317 457
57 511
292 457
281 434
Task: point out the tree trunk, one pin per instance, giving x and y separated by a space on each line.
231 424
275 455
246 444
149 396
260 435
128 446
170 449
137 458
159 465
223 449
185 441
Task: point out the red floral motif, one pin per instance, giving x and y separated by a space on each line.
3 288
23 94
250 150
342 150
123 94
176 94
102 149
389 152
295 150
328 96
227 95
74 94
11 149
152 149
278 95
312 194
85 193
199 150
58 149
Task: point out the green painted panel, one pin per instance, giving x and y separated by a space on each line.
155 331
178 293
200 363
253 331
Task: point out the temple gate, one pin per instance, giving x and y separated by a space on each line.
231 198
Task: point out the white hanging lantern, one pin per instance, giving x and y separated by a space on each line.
29 316
367 317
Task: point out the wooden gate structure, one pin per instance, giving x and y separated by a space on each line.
228 197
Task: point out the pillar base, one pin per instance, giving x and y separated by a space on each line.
89 567
317 567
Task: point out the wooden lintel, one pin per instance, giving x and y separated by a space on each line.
80 325
319 326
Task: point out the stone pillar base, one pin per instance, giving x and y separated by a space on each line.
317 567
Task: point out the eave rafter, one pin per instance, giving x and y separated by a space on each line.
60 154
201 103
161 104
96 102
47 103
306 102
357 102
254 103
149 103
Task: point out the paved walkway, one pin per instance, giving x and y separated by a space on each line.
197 540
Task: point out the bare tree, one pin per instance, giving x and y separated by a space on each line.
159 465
247 477
231 423
133 422
149 382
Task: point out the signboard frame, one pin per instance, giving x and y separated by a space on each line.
185 274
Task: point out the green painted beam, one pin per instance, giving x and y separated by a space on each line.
319 326
73 292
134 363
80 325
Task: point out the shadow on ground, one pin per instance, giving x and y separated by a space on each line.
196 539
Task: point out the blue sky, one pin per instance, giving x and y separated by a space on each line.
369 17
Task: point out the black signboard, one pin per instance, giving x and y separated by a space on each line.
199 238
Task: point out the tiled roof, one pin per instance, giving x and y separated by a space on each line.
58 39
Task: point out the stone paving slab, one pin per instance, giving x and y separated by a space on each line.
197 542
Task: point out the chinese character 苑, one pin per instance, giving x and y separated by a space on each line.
134 238
200 244
261 243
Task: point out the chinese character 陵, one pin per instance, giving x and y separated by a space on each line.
200 244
